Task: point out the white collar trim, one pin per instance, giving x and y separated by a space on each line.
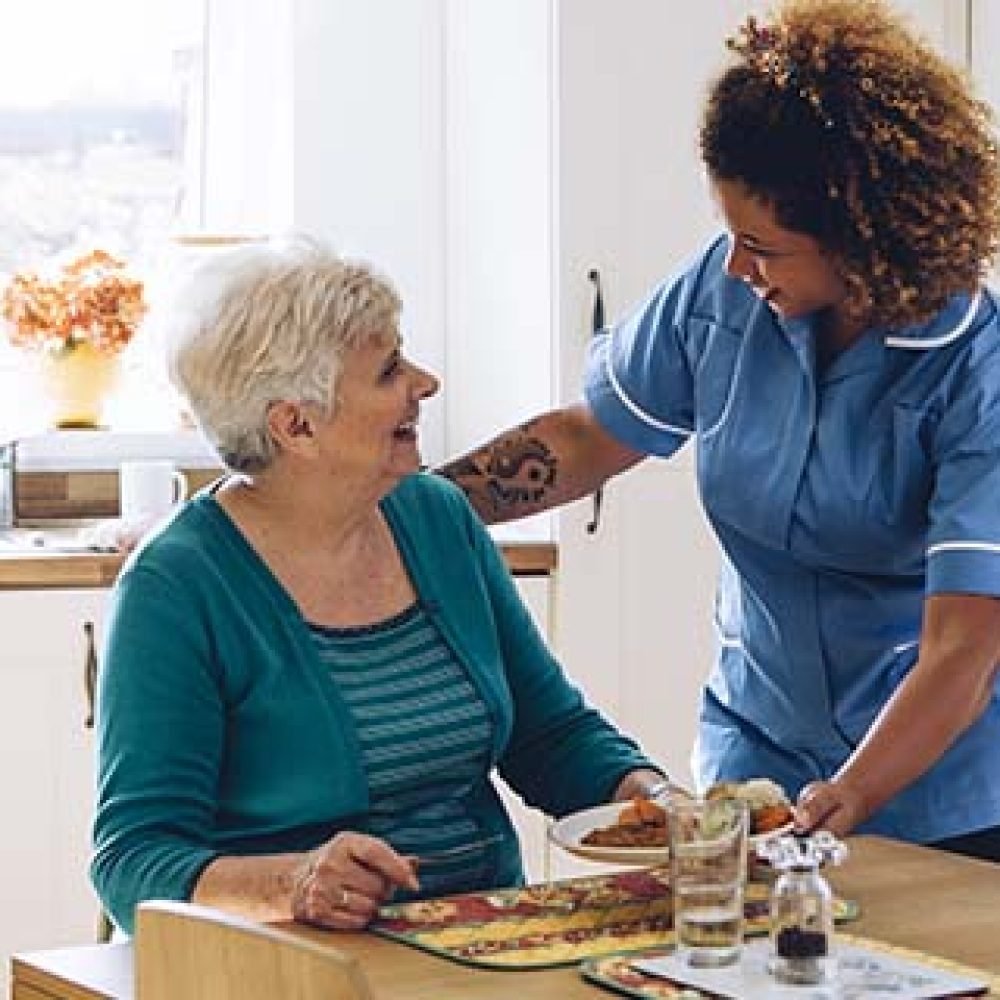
926 343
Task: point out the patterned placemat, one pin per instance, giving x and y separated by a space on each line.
556 923
615 972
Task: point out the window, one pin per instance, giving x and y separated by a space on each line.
100 146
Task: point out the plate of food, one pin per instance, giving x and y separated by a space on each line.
635 832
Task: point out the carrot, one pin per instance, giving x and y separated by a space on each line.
769 818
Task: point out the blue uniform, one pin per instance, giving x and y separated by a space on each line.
841 499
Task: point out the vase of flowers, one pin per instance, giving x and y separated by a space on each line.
78 322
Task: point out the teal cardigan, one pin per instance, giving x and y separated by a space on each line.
220 733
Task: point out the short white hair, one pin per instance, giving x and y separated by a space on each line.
269 322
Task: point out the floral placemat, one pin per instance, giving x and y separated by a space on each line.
556 923
616 972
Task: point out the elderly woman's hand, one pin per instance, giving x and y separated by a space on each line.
830 805
645 783
343 882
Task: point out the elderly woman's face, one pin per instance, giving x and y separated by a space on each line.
374 426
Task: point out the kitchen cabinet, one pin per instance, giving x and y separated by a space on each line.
48 770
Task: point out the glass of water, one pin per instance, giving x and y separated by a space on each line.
708 860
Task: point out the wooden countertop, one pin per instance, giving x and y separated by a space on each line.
910 896
24 570
53 497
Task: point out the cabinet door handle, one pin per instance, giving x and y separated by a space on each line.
596 327
89 672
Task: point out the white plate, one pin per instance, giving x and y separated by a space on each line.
569 832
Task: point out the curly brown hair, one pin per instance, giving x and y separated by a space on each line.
855 132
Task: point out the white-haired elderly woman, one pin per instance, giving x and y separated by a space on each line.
312 670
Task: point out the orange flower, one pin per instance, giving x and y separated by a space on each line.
92 300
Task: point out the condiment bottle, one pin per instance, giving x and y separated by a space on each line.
802 910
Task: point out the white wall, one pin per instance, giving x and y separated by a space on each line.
247 169
368 144
498 160
945 23
415 134
984 36
327 118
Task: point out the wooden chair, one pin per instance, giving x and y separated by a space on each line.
198 953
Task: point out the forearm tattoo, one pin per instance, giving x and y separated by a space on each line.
510 476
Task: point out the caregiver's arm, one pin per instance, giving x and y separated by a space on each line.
947 690
548 461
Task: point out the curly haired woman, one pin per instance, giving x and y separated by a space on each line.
836 360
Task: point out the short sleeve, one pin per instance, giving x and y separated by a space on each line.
638 380
963 552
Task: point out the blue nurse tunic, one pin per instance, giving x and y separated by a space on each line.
841 498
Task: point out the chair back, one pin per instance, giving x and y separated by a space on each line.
198 953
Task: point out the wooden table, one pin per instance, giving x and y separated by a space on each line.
909 895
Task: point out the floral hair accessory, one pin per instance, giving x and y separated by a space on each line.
768 51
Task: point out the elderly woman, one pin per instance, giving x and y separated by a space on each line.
313 669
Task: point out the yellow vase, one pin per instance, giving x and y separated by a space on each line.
78 383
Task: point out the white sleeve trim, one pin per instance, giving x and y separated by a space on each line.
993 547
636 410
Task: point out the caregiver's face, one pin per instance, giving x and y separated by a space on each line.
788 270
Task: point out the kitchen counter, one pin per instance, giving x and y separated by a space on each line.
29 570
47 497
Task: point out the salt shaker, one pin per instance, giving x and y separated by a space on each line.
802 909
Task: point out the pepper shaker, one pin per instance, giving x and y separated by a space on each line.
802 910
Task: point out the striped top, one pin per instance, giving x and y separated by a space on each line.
425 738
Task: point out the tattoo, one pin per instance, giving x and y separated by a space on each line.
513 471
519 469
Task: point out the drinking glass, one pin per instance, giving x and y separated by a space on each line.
708 852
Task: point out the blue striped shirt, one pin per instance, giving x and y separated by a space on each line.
424 734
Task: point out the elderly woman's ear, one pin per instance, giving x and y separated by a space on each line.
290 425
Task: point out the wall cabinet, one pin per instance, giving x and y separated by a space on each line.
48 771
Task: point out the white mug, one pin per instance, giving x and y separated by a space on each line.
149 489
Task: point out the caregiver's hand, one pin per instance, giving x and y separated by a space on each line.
344 881
829 805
